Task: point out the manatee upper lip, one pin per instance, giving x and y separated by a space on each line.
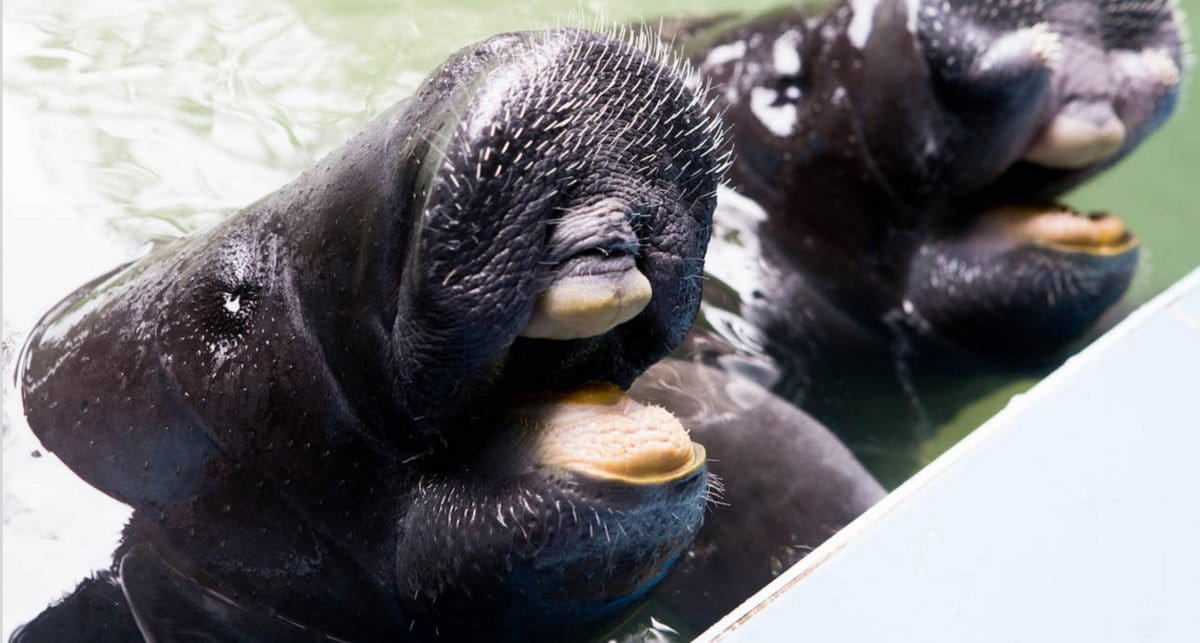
1069 142
593 287
615 246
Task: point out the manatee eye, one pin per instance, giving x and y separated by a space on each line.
226 298
226 308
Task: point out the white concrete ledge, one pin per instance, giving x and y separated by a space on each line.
1071 515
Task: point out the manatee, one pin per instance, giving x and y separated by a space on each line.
895 207
386 402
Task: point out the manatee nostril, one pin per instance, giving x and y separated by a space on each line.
602 250
614 247
603 228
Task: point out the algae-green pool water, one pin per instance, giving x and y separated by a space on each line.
131 121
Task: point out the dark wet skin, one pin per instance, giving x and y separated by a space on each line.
300 404
884 151
786 484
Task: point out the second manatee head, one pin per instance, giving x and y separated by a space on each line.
1043 96
909 154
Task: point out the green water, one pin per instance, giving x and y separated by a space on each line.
136 121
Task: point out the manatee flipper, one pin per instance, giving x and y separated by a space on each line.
991 57
788 485
169 606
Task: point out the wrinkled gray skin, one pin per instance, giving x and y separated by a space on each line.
299 403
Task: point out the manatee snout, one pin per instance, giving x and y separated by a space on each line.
1051 93
558 498
1116 78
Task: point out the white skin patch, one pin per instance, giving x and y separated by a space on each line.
911 21
786 56
1039 40
1158 65
863 21
780 119
734 254
725 53
233 303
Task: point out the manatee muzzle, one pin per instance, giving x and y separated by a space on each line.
1087 128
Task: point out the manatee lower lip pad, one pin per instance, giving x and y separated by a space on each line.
1057 227
599 432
